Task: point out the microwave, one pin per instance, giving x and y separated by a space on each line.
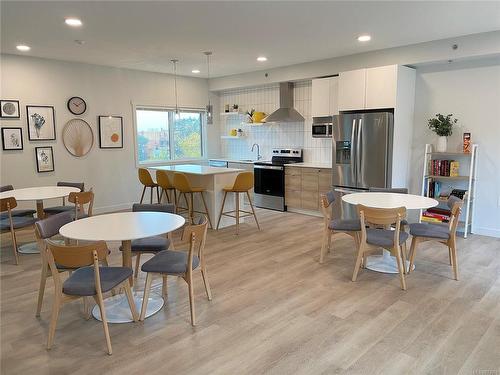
322 127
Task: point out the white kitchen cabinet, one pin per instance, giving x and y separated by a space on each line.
351 91
381 87
324 97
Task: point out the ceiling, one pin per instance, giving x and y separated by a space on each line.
147 35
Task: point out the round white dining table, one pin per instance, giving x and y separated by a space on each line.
124 227
386 263
38 194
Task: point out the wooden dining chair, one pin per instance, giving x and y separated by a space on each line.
146 180
166 187
445 234
19 212
404 222
333 226
85 281
180 263
184 187
372 239
13 223
58 209
79 200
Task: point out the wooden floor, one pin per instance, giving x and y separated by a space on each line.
275 310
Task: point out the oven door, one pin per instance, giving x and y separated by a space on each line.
269 180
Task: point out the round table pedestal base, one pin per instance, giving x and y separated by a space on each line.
29 248
118 310
384 263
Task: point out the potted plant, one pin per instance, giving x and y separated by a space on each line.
443 127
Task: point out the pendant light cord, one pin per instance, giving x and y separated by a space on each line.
175 61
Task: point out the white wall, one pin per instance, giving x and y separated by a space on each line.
112 173
471 92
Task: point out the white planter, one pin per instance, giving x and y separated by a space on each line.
441 144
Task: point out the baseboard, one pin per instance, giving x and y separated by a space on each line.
305 212
108 209
491 232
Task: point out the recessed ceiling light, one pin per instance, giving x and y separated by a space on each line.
80 42
23 47
75 22
262 58
364 38
195 71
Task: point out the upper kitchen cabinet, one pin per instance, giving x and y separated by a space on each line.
352 86
324 97
373 88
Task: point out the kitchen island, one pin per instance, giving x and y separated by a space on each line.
213 180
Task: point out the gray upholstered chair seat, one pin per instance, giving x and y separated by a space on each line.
18 222
430 230
150 244
5 215
345 225
167 261
58 209
383 237
82 282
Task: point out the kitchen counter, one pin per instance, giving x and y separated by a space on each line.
200 170
245 161
310 165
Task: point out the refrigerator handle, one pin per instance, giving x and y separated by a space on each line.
353 151
359 152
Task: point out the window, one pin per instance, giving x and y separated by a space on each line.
164 136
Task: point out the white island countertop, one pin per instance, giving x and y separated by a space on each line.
201 170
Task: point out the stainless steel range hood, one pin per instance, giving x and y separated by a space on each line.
286 112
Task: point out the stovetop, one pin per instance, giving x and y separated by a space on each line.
283 156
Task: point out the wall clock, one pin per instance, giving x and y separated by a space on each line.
77 105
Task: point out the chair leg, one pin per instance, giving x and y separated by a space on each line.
137 264
329 247
164 285
191 299
100 302
161 195
326 234
404 256
401 268
453 248
221 209
237 212
191 208
175 196
142 196
358 264
87 311
413 251
151 195
187 205
41 289
206 210
53 322
253 210
147 288
158 193
450 256
14 246
207 284
130 299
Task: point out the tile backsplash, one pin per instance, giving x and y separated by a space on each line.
282 135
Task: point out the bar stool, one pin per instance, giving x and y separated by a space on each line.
182 184
146 179
164 183
242 184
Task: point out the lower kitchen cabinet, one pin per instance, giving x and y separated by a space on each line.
303 187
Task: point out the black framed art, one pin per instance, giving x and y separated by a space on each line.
44 159
9 109
110 131
12 139
41 122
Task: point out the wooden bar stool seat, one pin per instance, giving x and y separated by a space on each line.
181 183
146 179
242 184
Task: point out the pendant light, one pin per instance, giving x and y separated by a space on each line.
210 119
175 61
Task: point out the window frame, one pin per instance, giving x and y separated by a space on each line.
201 111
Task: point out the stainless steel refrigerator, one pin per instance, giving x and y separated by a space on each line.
362 155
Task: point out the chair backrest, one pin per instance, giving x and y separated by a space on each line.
78 185
163 181
455 204
243 181
7 204
50 226
326 201
181 182
196 234
388 190
6 188
145 177
140 207
80 200
381 217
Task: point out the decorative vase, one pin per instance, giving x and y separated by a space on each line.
441 144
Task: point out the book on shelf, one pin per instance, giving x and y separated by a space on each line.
446 168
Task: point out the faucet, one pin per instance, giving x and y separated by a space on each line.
259 156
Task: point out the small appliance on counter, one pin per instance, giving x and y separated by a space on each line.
269 178
322 127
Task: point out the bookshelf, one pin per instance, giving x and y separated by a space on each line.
434 183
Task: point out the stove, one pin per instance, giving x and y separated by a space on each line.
269 178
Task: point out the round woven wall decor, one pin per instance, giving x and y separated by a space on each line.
78 137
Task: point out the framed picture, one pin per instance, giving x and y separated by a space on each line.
12 138
110 132
9 109
41 123
44 159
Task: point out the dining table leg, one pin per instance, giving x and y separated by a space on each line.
127 258
40 214
32 247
